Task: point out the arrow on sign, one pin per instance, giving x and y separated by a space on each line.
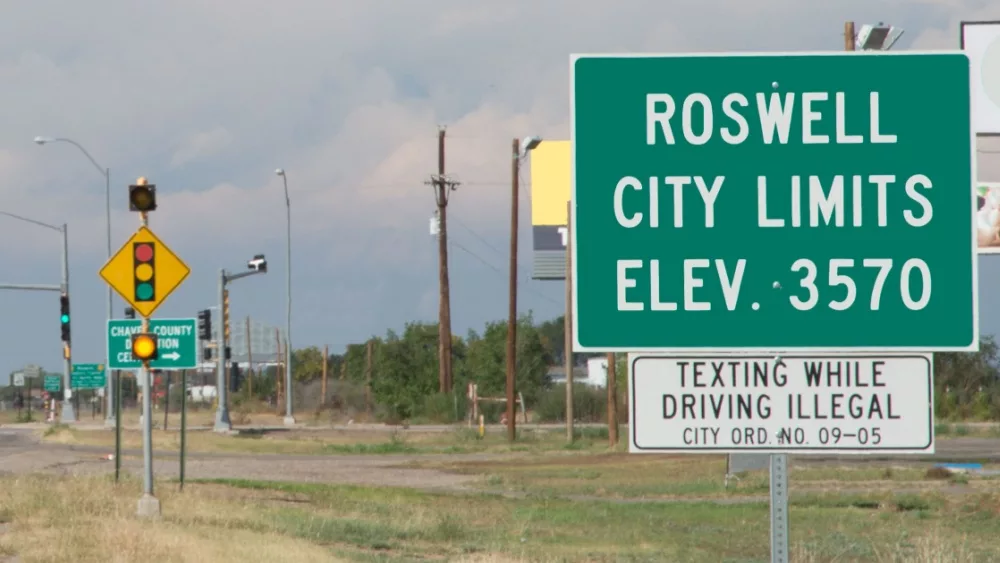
172 356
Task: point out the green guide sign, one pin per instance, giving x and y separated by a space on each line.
177 341
773 202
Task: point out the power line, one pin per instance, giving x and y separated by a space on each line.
475 234
522 283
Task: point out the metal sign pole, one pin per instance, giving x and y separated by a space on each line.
779 508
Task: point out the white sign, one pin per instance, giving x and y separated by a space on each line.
834 404
981 42
18 379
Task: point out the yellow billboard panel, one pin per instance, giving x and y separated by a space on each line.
550 168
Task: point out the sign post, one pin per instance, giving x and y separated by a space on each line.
761 205
144 272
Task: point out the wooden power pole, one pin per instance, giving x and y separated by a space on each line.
568 324
326 359
249 363
512 295
442 190
849 36
612 384
368 376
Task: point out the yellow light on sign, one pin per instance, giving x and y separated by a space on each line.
144 346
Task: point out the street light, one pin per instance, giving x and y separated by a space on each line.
289 419
879 37
109 419
68 414
520 150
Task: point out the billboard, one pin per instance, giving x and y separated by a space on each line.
550 170
988 217
981 42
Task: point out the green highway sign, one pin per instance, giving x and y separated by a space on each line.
177 340
87 376
767 202
52 383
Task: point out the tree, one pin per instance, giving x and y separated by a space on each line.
405 369
486 362
307 363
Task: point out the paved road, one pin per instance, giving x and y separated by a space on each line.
22 452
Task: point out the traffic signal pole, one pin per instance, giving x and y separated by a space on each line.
68 414
222 420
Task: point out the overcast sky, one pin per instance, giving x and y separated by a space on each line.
207 97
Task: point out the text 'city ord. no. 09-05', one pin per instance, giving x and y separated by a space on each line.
773 202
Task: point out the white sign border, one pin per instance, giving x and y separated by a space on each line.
578 347
987 122
789 449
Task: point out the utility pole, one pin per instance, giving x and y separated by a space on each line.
442 191
849 36
368 376
326 361
568 325
249 362
278 371
512 293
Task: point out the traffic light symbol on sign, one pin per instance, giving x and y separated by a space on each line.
64 316
145 273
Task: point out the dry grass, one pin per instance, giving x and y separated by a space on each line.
87 519
326 442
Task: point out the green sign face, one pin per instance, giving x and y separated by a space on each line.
52 383
177 340
87 376
773 202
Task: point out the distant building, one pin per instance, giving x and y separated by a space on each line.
594 374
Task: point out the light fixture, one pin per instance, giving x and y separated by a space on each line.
879 37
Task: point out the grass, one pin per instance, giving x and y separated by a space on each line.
88 519
326 442
967 430
621 476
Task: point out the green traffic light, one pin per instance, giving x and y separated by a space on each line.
65 319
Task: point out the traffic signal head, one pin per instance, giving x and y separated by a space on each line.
143 254
64 316
129 313
142 196
205 324
144 346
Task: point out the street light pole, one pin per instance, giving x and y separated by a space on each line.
68 414
109 419
519 150
289 418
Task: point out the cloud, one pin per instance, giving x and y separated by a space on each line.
347 97
202 145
